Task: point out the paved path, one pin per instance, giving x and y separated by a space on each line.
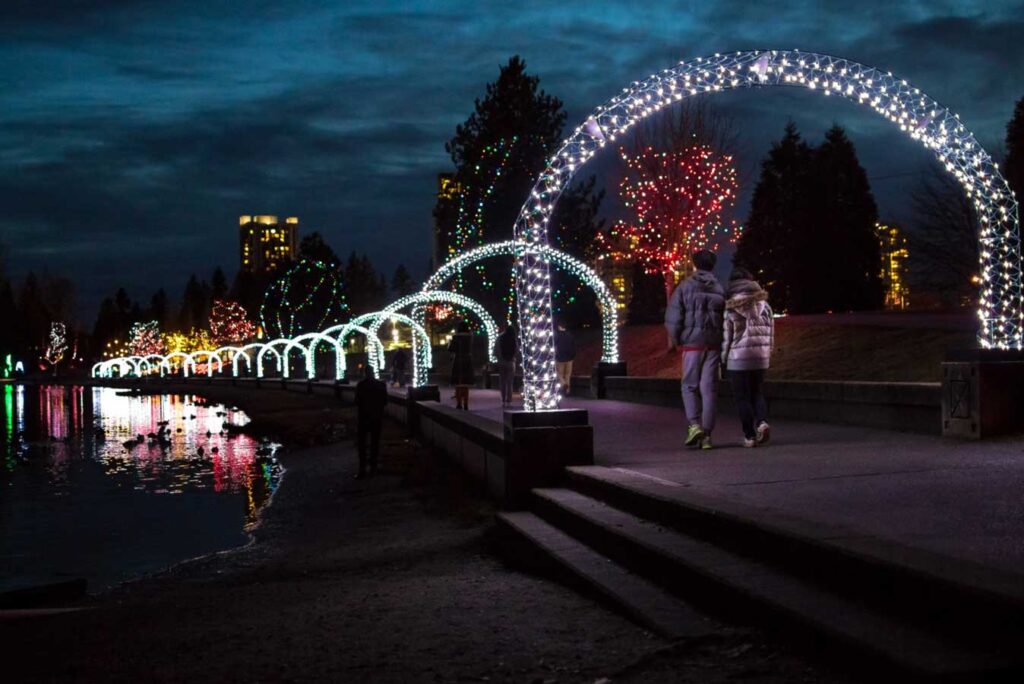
955 498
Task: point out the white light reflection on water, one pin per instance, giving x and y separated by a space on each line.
82 495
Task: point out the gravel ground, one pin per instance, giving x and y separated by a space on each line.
392 579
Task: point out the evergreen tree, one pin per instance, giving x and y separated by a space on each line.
218 284
9 314
810 237
365 289
401 282
159 308
313 247
768 245
1014 167
574 228
195 305
498 152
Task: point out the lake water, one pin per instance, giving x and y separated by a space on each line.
76 501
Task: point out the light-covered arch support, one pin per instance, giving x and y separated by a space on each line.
587 275
444 297
210 356
268 347
246 353
314 339
375 350
422 360
234 351
165 364
97 369
1000 310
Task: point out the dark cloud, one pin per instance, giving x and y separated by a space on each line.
132 134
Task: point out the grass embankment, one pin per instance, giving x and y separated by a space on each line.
870 347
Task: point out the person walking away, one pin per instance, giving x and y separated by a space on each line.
505 351
371 399
565 354
399 362
693 321
747 339
461 350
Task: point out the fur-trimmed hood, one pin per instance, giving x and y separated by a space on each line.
744 294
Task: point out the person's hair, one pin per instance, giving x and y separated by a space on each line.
463 327
740 273
704 260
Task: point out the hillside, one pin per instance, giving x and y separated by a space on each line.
905 347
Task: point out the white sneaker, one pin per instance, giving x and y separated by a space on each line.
764 433
749 443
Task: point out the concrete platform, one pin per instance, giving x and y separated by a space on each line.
958 499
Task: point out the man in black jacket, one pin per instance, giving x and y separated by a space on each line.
371 399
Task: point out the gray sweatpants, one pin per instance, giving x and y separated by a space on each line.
700 387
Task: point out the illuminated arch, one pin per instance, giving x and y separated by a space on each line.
246 353
443 296
209 360
165 364
587 275
97 369
922 118
315 338
422 360
375 350
154 361
235 352
282 363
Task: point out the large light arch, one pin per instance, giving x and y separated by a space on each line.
922 118
281 361
421 362
210 356
375 349
315 338
589 277
443 296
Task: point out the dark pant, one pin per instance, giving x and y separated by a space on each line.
746 392
368 429
506 376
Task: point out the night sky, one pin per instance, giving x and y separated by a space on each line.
133 133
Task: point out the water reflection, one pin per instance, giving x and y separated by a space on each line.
81 452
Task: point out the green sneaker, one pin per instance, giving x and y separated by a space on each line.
705 442
694 436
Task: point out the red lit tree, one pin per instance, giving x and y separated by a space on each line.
229 324
677 199
144 339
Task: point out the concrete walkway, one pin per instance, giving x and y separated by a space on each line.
957 499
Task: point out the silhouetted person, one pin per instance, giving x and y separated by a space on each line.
371 399
565 354
461 349
399 362
693 321
505 351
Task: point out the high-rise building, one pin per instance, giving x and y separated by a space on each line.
264 243
894 253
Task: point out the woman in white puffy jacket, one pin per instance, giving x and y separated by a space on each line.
748 334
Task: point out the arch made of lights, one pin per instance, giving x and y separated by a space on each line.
282 363
235 352
314 339
165 364
587 275
210 356
999 310
422 359
246 353
375 350
445 297
97 369
154 361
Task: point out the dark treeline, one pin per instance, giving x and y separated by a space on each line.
40 300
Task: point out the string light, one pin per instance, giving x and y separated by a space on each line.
229 324
56 344
999 310
144 339
294 294
567 262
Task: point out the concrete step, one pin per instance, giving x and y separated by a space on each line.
965 601
716 578
640 599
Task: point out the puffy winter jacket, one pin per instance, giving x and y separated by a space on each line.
694 313
749 327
